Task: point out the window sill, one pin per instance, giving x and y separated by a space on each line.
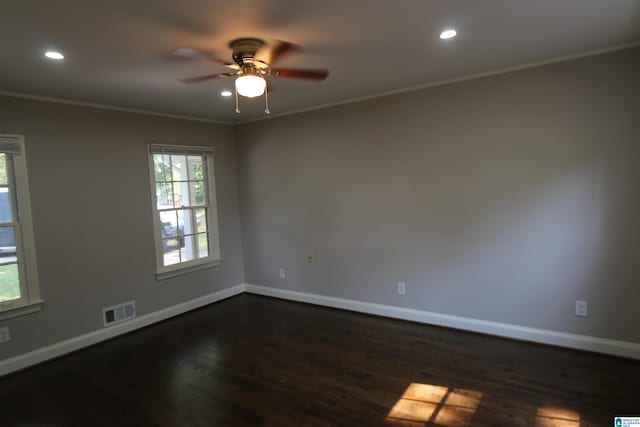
28 308
179 272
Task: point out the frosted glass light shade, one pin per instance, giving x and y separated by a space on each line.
250 86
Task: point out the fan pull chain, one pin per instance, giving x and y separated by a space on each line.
237 106
266 100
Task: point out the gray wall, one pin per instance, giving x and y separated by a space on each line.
504 198
91 204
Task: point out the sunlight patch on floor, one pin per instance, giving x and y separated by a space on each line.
443 406
549 416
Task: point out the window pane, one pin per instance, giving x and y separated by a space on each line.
179 189
170 252
196 191
195 168
3 169
162 167
164 195
186 252
185 224
178 167
5 205
9 282
8 258
203 245
7 241
187 193
170 238
201 220
168 224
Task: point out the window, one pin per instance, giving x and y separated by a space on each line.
184 205
19 291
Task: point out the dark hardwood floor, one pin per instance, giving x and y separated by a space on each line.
252 360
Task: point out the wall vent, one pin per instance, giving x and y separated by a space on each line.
118 313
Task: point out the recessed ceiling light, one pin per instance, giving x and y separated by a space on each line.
448 34
51 54
226 93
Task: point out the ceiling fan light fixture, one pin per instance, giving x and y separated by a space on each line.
250 85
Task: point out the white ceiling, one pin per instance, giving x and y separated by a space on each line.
117 51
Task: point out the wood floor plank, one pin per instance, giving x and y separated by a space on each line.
252 360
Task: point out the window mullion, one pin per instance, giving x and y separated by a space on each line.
194 243
205 179
11 184
17 235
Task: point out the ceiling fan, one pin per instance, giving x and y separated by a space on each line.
252 61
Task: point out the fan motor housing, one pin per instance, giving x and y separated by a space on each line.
244 49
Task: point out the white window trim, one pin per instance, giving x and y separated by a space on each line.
214 259
30 300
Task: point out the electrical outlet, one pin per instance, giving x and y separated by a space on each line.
581 308
4 334
282 274
402 288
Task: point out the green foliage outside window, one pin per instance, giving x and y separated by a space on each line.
165 175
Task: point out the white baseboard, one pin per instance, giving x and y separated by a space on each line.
562 339
544 336
76 343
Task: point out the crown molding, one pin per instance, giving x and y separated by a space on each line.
414 88
110 107
459 79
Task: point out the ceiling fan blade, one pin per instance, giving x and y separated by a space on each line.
204 78
187 52
299 74
200 78
275 50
